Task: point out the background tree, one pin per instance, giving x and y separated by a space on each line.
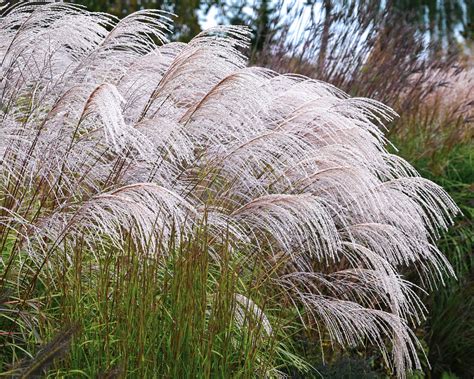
443 20
186 25
261 16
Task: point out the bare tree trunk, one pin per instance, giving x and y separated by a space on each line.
325 34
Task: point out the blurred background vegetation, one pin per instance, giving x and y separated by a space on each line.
443 19
417 57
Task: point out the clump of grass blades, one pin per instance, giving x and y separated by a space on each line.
186 209
449 330
182 314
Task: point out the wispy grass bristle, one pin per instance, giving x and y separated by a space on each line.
184 196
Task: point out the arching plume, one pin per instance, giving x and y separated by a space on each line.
110 134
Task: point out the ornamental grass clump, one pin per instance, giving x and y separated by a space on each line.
118 145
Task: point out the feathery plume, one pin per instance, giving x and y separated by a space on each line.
109 133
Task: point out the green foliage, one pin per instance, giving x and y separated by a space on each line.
171 316
449 330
